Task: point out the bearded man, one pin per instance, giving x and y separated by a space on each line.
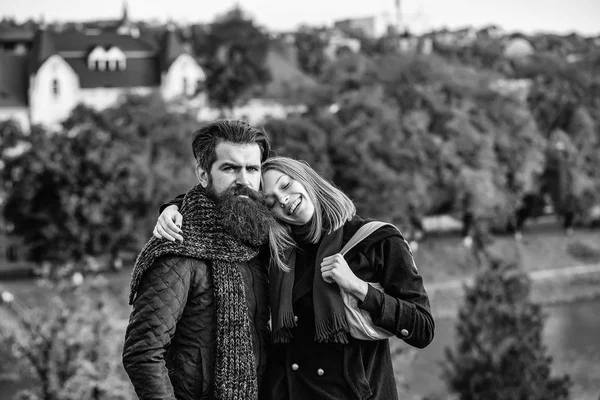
199 325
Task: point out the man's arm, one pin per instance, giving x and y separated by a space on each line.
170 220
177 201
160 301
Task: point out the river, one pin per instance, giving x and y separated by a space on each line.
571 333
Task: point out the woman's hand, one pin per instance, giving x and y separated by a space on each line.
168 225
335 269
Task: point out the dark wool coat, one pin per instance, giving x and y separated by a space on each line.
170 342
304 369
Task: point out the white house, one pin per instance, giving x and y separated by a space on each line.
92 67
337 41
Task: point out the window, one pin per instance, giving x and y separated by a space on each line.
12 253
102 60
55 87
185 86
199 85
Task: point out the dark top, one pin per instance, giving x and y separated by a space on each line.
170 342
305 369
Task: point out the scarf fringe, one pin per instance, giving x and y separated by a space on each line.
332 330
284 333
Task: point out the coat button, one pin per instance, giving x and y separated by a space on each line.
295 318
295 366
404 332
320 372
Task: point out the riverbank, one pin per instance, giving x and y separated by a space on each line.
549 286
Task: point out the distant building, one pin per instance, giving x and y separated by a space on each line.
17 40
338 41
254 111
415 44
492 31
516 88
459 38
408 43
518 47
94 67
364 25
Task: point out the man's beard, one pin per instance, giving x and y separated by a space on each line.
248 219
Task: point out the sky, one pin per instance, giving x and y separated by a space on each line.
528 16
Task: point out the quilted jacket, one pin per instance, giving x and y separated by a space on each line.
170 342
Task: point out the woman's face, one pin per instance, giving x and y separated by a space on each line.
287 198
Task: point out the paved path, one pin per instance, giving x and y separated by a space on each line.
536 276
549 286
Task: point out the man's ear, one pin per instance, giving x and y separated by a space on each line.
202 176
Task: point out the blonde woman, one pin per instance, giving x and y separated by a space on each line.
313 356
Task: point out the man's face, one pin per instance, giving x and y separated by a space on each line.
236 164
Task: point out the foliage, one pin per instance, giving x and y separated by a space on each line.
499 352
235 54
90 189
300 139
310 44
67 347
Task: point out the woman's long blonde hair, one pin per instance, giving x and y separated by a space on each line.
332 207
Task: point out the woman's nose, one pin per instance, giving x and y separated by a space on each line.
283 200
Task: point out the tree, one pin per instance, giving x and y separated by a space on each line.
69 195
235 58
68 348
94 188
499 354
310 46
300 139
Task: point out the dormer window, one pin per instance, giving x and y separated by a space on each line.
55 87
112 59
115 59
97 59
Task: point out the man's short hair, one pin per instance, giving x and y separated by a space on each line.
206 139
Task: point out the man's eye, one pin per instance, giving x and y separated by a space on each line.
254 169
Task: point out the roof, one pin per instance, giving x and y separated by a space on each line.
42 49
13 80
79 41
172 48
16 35
139 72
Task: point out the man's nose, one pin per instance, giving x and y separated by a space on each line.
242 178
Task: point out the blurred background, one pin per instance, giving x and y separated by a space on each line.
474 127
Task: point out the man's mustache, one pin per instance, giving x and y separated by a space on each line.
242 190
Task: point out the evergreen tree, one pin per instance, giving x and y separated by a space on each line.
500 354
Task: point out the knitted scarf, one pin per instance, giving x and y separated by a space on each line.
331 325
206 239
